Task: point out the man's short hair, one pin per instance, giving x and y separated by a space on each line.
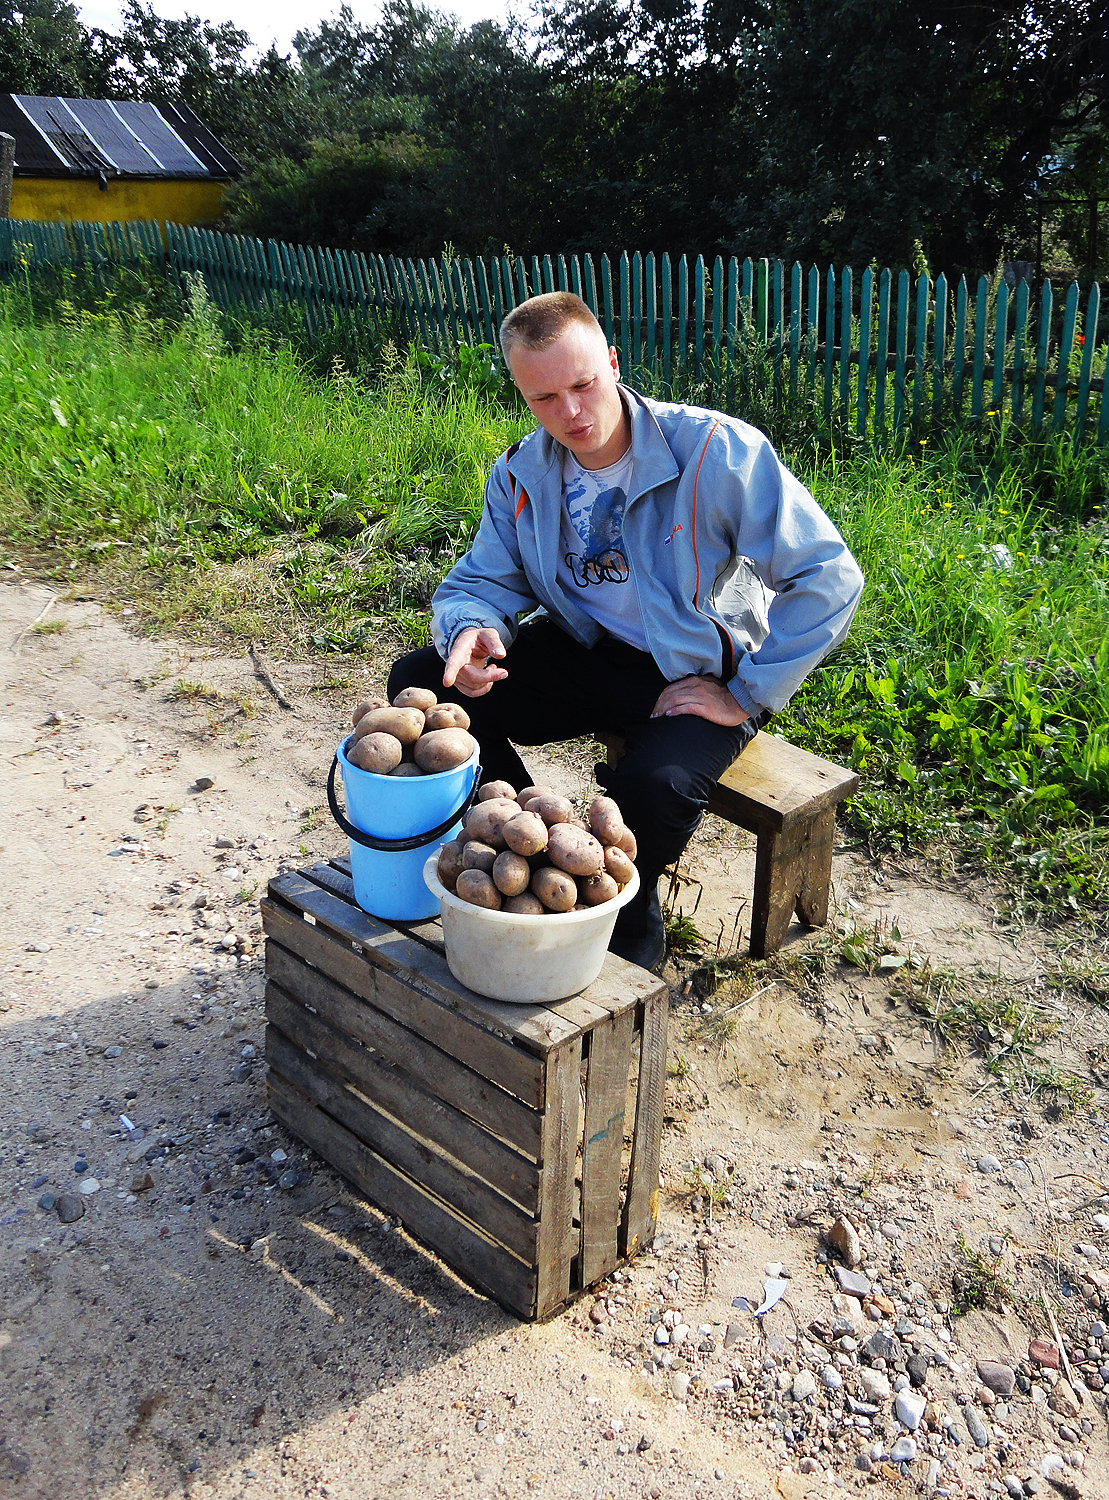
540 320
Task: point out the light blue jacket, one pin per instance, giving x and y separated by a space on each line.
739 573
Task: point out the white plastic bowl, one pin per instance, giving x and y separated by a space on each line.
528 960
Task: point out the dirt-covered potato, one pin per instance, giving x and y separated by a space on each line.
477 856
486 820
605 820
554 888
618 865
364 708
406 768
476 887
595 890
446 716
574 850
524 797
526 833
449 866
443 749
501 790
406 724
511 873
626 841
551 808
378 752
525 905
413 697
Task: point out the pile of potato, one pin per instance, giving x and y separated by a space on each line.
528 853
415 735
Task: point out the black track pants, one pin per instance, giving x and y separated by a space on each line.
557 689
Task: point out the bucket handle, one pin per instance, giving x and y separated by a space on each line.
394 846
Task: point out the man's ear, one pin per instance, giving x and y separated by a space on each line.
614 360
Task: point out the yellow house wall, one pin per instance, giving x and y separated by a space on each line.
80 199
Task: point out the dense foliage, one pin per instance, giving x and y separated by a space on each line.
855 130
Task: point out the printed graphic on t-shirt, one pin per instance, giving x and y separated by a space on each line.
600 527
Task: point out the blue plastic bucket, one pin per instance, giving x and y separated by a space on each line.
393 823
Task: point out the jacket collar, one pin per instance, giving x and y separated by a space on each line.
538 454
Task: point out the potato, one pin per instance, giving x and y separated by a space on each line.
595 890
618 865
554 888
605 820
364 708
378 752
551 808
413 697
447 716
626 841
526 833
486 820
406 768
524 797
476 887
525 905
574 850
511 873
443 749
449 867
477 856
406 724
499 789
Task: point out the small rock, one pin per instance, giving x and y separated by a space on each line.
598 1313
916 1367
112 1051
851 1283
875 1384
988 1164
881 1345
37 948
1043 1352
831 1378
288 1180
243 1072
1051 1463
662 1335
47 1201
204 783
909 1408
903 1451
278 1155
90 1186
845 1242
679 1385
151 984
997 1377
1014 1487
975 1426
223 842
1063 1400
804 1385
142 1182
809 1466
69 1207
646 1442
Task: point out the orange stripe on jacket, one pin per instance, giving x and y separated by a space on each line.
523 500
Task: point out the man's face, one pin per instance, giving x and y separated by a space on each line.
570 387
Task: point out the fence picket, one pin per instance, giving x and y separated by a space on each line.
1020 329
979 349
1089 329
591 288
779 337
606 293
829 340
637 309
959 355
536 277
881 353
847 296
563 284
1062 364
900 404
732 345
920 346
548 275
683 311
667 315
699 313
1001 338
650 299
1042 343
866 308
626 352
522 281
939 347
487 311
717 321
813 326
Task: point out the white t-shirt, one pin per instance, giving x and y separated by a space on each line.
592 564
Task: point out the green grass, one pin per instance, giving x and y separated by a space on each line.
216 478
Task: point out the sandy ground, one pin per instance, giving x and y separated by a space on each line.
204 1329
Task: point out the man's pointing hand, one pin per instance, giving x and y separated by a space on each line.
469 665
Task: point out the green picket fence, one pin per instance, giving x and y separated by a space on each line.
874 354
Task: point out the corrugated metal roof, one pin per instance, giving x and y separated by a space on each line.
57 137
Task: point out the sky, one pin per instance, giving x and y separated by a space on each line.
277 20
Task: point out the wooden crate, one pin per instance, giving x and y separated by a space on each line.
463 1116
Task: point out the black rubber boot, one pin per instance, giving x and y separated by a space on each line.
640 933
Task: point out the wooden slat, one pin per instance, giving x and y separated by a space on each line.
794 327
667 317
920 346
344 1005
813 322
1062 364
959 355
682 356
717 322
939 348
699 315
637 310
605 1094
650 308
1001 338
979 349
1020 329
732 343
829 341
466 1193
470 1253
558 1156
881 355
866 308
1042 343
606 294
627 352
637 1227
431 1000
374 1074
900 404
1089 328
590 287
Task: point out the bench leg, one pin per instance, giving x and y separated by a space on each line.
793 873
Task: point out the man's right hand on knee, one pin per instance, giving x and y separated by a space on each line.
470 663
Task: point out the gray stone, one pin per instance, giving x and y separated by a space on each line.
89 1186
1063 1400
909 1408
112 1052
70 1207
288 1179
47 1201
1014 1487
997 1377
845 1242
916 1367
204 783
988 1164
808 1466
976 1427
223 842
875 1384
804 1385
903 1451
831 1377
852 1283
881 1345
679 1385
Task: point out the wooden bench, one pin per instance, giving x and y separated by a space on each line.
788 799
461 1115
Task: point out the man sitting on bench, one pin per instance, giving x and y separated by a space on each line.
679 585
